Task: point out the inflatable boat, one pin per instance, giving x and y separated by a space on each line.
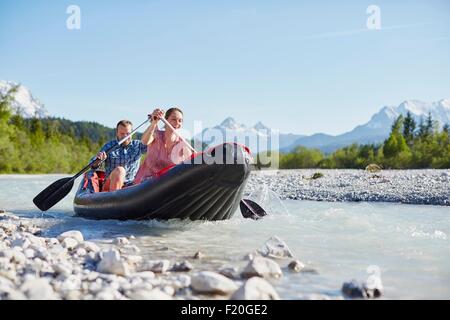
208 186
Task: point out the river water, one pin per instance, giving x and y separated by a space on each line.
407 245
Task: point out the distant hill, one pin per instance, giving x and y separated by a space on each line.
92 131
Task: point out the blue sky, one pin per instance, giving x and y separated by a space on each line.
301 67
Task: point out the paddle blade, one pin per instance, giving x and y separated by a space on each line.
53 193
251 209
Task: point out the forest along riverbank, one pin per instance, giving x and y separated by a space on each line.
402 186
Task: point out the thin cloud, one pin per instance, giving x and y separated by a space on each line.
363 30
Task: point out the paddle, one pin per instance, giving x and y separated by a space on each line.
249 208
55 192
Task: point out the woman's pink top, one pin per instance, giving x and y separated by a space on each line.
159 158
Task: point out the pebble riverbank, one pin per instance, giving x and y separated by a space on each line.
402 186
69 267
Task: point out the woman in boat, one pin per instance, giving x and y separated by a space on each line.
165 148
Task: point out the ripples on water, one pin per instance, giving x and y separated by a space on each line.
408 243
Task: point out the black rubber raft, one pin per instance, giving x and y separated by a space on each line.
209 186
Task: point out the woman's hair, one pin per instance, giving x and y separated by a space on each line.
170 111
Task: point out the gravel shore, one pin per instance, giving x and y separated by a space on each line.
69 267
403 186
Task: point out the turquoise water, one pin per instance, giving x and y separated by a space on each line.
408 244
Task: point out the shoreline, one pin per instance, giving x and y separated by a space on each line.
411 186
423 186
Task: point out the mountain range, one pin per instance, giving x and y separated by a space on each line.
23 102
260 137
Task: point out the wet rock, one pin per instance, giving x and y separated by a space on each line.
144 275
7 216
80 252
9 274
74 234
181 281
169 290
106 294
140 285
51 242
154 294
6 283
95 286
88 246
318 296
182 266
69 243
38 289
12 294
91 276
121 241
249 257
111 263
134 260
73 295
72 282
276 248
64 269
199 255
309 270
29 253
262 267
296 266
133 248
230 272
353 289
17 256
7 227
36 241
256 288
21 243
372 288
158 266
44 254
212 283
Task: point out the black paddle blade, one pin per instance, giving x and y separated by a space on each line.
251 209
53 193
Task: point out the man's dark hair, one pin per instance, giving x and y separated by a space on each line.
123 123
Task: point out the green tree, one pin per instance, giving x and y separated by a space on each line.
301 158
409 127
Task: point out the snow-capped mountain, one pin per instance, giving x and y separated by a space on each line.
378 127
258 138
23 103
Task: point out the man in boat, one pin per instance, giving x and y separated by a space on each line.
122 164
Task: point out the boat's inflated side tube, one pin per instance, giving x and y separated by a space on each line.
209 186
